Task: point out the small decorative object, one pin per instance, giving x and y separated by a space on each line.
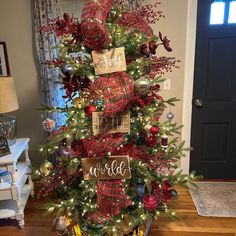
154 130
9 123
150 202
63 151
46 167
151 141
61 225
170 116
142 86
174 193
89 109
164 141
148 226
48 125
99 103
110 124
109 61
71 224
78 103
4 65
67 69
115 167
147 128
4 148
140 189
3 173
8 103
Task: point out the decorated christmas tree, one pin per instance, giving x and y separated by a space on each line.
113 164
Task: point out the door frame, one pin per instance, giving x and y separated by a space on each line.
189 79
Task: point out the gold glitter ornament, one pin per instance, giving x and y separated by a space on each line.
46 167
78 103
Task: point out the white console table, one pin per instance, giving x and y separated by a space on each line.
14 188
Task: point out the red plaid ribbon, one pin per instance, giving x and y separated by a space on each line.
110 200
117 92
97 10
134 151
100 145
133 19
95 34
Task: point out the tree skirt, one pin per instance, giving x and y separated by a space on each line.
214 198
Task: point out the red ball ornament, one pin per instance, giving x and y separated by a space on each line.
150 202
89 110
154 130
151 141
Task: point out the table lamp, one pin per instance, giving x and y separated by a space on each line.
8 103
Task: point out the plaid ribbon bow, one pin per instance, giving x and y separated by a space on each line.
117 91
110 200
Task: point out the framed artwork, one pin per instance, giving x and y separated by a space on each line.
4 65
112 124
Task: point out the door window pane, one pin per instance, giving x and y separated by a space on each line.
232 12
217 13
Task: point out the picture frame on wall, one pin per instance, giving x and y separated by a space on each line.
4 64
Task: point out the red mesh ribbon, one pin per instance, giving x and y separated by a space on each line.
133 19
110 200
100 145
95 34
134 151
117 92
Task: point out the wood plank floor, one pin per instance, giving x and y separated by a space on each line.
190 224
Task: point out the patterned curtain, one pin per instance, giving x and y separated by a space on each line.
44 12
132 4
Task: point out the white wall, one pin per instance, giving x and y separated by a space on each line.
16 31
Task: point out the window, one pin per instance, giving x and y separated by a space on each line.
232 12
223 12
217 13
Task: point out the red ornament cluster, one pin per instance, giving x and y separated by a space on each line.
150 202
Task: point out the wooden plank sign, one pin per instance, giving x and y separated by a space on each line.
111 124
116 167
109 61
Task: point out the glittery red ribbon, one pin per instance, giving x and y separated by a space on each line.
117 91
111 199
95 34
100 145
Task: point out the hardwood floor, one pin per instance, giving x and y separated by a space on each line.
190 224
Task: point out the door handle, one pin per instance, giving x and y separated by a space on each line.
198 103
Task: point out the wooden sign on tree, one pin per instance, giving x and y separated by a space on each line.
114 167
110 124
109 61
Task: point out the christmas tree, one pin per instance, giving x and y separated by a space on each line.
113 164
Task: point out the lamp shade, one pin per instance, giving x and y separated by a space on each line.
8 98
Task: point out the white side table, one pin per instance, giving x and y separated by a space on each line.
14 188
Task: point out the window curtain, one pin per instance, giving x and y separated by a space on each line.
132 4
44 12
